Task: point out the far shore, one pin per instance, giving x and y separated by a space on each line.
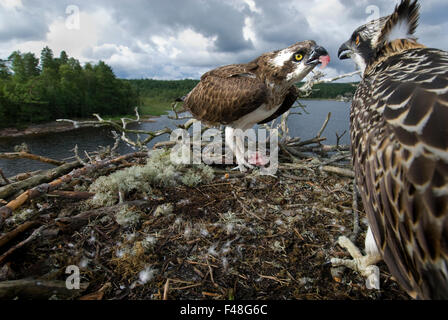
50 127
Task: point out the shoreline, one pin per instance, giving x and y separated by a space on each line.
50 127
57 127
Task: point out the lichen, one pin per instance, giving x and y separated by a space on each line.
163 210
127 217
158 172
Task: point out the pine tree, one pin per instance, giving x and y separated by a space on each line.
4 70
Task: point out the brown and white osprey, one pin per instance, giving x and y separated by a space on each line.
399 132
242 95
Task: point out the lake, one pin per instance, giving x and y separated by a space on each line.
59 145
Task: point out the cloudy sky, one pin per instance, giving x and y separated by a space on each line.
177 39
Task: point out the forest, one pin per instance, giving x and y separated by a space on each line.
34 90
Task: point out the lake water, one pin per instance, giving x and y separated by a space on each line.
59 145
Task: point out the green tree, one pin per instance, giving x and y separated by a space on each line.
47 59
63 58
4 70
18 66
31 65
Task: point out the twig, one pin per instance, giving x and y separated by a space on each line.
72 194
339 137
77 157
306 89
33 236
26 155
356 227
16 232
308 142
4 177
324 126
340 171
166 289
337 159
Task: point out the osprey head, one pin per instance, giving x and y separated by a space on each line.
369 41
295 62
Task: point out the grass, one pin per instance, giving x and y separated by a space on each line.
154 106
150 107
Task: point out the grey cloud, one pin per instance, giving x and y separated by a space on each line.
276 25
22 24
210 18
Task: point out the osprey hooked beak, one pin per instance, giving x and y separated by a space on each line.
318 55
345 51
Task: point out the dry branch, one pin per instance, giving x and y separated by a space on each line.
4 177
319 134
36 233
340 171
26 155
78 221
16 232
78 195
307 88
46 176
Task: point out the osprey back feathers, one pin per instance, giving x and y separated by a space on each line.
242 95
399 132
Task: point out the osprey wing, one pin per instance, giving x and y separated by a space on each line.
226 94
290 99
401 166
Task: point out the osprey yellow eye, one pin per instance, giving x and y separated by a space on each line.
299 57
358 39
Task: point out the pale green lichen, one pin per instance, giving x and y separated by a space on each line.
197 175
23 216
164 210
159 171
127 217
191 179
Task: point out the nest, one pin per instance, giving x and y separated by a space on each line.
186 232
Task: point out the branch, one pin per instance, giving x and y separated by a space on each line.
45 188
340 171
4 177
324 125
26 155
46 176
317 79
34 235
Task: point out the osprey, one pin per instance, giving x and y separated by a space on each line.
242 95
399 132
